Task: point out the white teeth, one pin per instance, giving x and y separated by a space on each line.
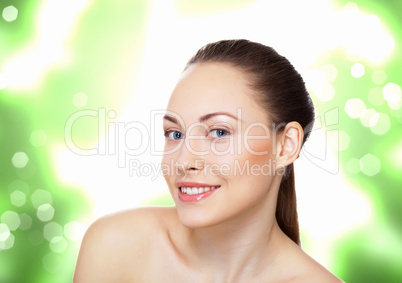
195 190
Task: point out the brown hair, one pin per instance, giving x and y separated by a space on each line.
281 91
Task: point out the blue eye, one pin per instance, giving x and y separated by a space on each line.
174 135
219 133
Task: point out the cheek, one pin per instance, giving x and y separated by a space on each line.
171 147
168 165
256 149
258 141
252 175
169 171
244 164
223 147
171 151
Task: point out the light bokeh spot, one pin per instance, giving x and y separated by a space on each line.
45 212
382 126
80 99
18 198
52 230
379 77
357 70
20 159
4 232
395 105
10 13
26 221
376 97
40 197
392 92
58 244
369 118
38 138
355 107
370 164
353 165
12 219
7 243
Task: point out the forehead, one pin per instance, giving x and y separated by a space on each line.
213 87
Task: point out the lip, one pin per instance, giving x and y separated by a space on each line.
194 198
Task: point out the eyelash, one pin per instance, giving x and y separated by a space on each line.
216 130
168 132
226 133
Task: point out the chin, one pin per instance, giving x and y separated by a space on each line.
195 219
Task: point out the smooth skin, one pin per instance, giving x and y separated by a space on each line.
231 236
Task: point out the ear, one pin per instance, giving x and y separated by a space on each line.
289 144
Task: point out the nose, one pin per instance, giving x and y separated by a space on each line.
191 157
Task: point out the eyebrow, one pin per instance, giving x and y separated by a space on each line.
171 119
202 118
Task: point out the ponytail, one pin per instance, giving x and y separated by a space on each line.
286 212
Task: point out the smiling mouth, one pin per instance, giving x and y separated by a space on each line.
197 190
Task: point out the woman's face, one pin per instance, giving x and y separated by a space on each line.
217 139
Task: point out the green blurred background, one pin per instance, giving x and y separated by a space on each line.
120 59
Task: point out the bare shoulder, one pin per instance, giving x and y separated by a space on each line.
118 243
316 273
310 271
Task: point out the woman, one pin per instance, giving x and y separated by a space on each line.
234 125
